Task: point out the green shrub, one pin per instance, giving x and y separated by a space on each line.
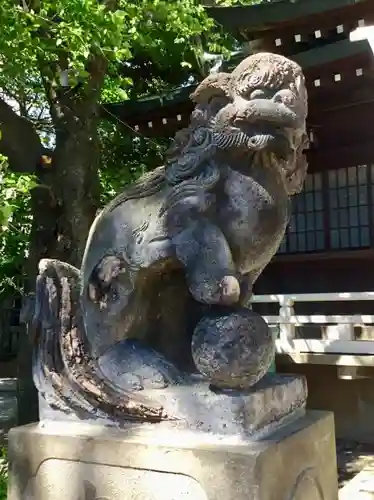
3 473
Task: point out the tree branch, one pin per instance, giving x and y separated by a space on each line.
97 66
19 141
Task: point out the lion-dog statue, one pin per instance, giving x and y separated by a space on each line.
170 263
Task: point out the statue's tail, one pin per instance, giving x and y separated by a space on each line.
64 373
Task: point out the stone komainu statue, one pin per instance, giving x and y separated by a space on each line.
170 263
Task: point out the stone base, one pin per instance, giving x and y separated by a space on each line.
271 403
71 461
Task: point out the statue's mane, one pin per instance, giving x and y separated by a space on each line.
189 157
148 184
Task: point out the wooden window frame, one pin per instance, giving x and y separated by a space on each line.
327 211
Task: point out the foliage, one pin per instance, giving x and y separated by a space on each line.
65 35
229 3
15 226
126 157
3 473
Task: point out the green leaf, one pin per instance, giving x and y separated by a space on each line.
5 214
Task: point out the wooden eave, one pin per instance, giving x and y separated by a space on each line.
146 107
256 20
321 56
162 116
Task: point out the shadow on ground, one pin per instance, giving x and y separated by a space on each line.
352 458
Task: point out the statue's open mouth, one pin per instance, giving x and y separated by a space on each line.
256 125
251 137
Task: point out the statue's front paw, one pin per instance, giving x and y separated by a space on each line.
224 291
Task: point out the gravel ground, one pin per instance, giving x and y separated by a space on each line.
352 457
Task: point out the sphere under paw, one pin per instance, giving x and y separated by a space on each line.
233 349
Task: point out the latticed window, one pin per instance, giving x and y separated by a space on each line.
349 207
333 212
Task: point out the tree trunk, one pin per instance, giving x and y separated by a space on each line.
77 189
65 203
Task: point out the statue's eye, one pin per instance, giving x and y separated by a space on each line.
286 97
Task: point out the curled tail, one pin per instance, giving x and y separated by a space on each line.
64 373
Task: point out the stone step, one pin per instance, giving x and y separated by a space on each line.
8 407
8 403
8 385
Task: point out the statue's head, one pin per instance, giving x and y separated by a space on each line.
260 107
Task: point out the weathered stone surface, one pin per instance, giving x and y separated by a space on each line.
255 412
258 411
145 368
83 462
233 349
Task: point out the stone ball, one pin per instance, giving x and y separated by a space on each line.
233 349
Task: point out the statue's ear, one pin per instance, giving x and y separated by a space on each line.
296 178
215 85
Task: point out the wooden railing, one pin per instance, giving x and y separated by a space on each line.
288 320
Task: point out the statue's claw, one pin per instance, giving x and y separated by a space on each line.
229 289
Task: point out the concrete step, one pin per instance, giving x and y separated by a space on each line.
8 404
8 385
8 407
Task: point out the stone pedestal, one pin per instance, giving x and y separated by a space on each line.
272 402
75 461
